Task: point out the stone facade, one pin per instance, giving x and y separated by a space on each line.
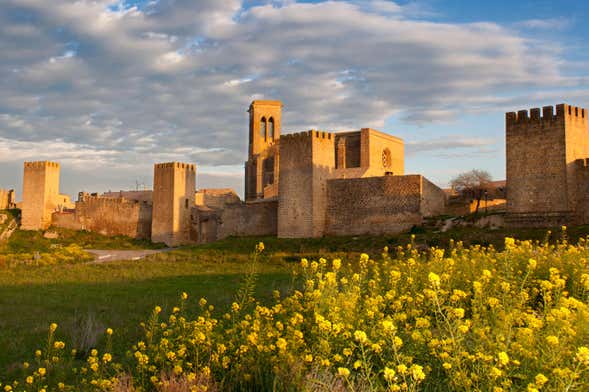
542 174
380 205
40 194
309 160
216 198
7 199
108 216
174 187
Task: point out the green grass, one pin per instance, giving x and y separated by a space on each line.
122 294
24 241
118 295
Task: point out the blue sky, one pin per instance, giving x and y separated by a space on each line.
107 88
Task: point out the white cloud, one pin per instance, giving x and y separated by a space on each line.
173 78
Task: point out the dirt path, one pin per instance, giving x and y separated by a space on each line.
102 256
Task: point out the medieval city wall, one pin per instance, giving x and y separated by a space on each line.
145 195
110 216
373 205
40 194
258 218
433 198
216 198
66 220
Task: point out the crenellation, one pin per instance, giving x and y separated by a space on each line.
546 162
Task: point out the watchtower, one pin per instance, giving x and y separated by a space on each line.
261 168
40 194
174 186
541 150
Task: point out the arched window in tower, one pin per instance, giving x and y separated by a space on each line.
263 125
271 128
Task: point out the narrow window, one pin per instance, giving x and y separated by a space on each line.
271 128
263 128
186 203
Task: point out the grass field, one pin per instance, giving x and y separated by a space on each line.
86 298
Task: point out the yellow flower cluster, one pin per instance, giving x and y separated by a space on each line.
455 319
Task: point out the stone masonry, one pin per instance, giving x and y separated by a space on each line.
542 148
40 194
7 199
173 198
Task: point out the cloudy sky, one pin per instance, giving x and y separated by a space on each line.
108 87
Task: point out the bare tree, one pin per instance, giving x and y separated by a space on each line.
472 184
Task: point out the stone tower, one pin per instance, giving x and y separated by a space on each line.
307 162
541 150
174 185
40 194
261 168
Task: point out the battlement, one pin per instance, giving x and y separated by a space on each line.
94 198
309 134
41 164
546 115
178 165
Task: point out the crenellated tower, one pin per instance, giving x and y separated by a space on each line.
541 149
261 168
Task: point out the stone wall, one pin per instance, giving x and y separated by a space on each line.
66 220
433 198
6 199
173 199
582 181
541 150
380 205
145 195
216 198
258 218
40 194
108 216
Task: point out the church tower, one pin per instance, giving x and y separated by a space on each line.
261 168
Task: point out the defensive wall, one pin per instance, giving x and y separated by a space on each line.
542 147
108 216
379 205
216 198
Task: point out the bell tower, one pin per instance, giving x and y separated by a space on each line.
261 168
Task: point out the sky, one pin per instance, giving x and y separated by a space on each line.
108 88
